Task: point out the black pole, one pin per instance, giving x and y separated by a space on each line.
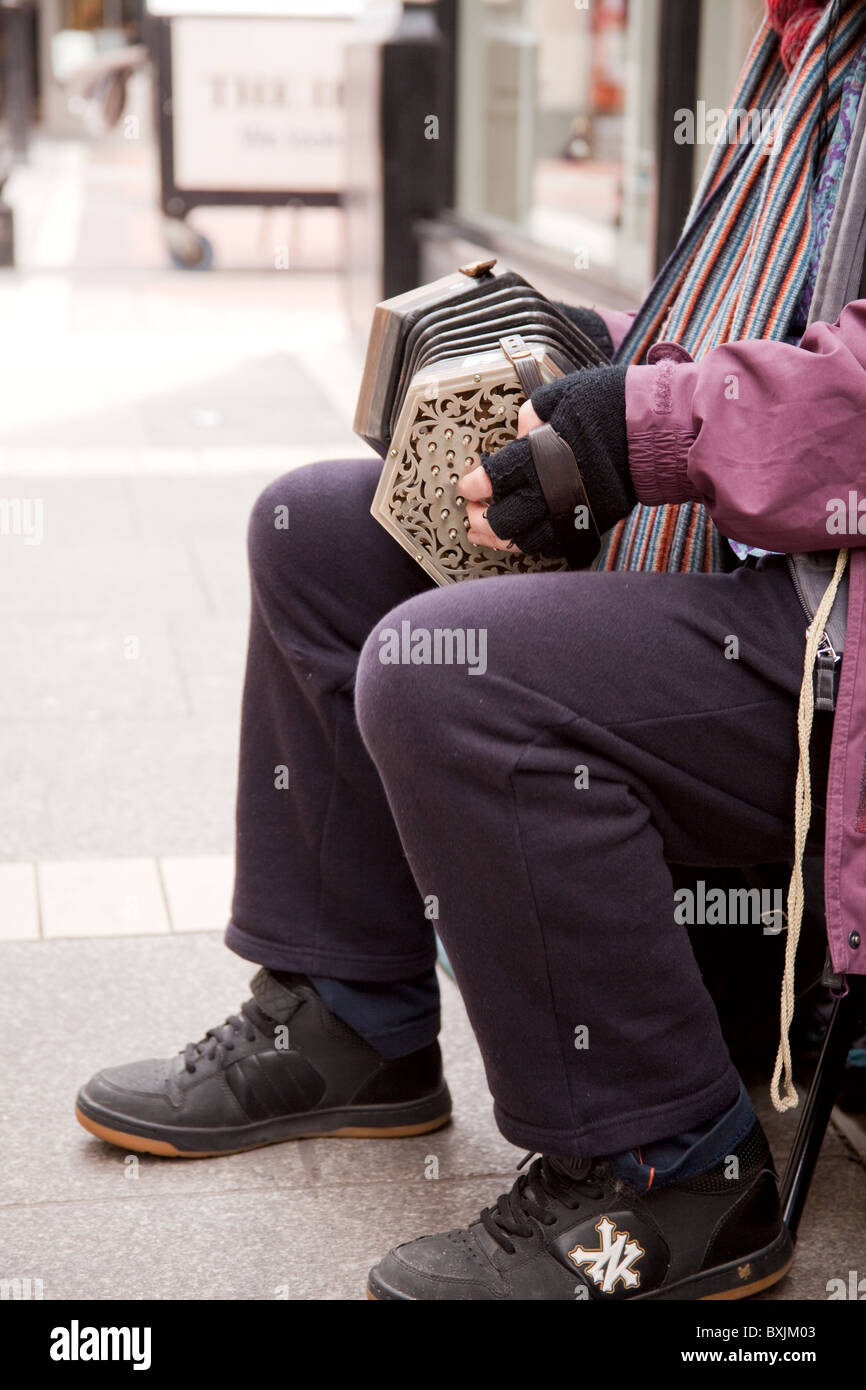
447 17
845 1021
18 76
679 48
414 133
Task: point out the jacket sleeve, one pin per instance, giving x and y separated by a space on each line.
770 437
617 322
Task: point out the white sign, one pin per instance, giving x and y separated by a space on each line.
241 9
257 104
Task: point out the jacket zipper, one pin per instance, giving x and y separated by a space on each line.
827 659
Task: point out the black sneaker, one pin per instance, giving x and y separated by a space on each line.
285 1067
571 1230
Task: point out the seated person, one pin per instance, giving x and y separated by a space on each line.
531 810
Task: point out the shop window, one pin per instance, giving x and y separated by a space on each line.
556 126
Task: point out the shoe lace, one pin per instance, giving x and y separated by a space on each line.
513 1214
222 1037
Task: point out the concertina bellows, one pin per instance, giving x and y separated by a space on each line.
448 366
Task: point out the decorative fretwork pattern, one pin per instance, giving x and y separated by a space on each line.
448 419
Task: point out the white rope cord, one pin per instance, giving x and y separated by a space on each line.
802 817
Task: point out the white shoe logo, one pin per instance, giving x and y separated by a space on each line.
613 1261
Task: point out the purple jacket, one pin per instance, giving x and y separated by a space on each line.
772 439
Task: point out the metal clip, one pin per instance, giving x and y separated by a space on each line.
514 346
827 659
827 649
522 359
833 980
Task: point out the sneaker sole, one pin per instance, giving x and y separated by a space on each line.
741 1278
359 1122
751 1275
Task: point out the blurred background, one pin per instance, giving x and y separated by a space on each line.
200 204
553 134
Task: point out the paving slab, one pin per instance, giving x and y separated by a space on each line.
19 902
101 897
210 654
261 462
264 399
178 505
222 565
198 890
112 579
120 787
317 1244
852 1128
73 512
100 667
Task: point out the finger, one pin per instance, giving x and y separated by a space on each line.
479 532
475 486
527 419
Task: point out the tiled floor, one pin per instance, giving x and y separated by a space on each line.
114 897
123 896
19 918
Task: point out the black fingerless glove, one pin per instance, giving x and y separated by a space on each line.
590 323
587 409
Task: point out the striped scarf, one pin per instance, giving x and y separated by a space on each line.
742 263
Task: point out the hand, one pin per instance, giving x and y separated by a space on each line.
477 491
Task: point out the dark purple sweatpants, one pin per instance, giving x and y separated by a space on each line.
526 799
